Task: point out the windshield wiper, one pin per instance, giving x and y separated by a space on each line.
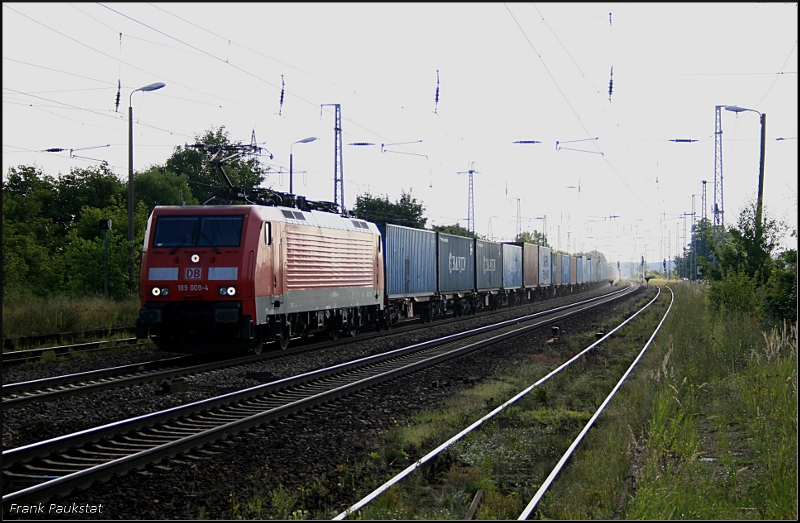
181 244
209 242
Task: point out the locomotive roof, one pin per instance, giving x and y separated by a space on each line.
321 219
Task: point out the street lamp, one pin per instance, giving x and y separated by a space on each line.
146 88
304 140
759 204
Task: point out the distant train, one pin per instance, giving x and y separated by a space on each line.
232 277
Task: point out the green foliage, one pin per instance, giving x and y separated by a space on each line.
84 188
736 291
157 186
406 211
780 291
747 277
29 235
84 253
536 238
456 230
195 167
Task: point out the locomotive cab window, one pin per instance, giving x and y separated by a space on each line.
202 231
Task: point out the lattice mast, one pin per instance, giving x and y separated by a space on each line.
719 208
470 199
703 203
338 160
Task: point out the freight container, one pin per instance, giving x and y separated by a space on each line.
456 264
579 271
573 270
585 267
555 261
488 265
512 266
530 264
565 264
545 273
410 257
591 262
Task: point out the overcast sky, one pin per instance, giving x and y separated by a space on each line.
506 72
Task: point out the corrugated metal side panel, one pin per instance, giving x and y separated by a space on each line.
556 269
410 256
530 265
545 273
456 258
573 270
579 261
512 266
565 269
488 265
555 273
328 259
591 268
585 265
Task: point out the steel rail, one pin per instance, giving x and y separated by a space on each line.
546 484
21 356
235 412
432 454
52 388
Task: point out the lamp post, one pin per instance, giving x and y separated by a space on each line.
304 140
759 204
146 88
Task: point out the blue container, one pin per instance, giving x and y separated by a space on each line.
410 259
512 266
564 269
456 263
579 260
555 275
545 271
586 262
488 265
591 269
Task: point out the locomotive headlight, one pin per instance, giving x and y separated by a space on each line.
227 291
165 291
195 258
156 291
160 291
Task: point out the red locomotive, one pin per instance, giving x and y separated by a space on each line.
232 277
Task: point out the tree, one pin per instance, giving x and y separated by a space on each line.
30 264
406 211
95 186
456 230
157 186
202 176
537 238
780 291
84 252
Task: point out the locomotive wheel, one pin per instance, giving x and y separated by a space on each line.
333 333
258 344
283 342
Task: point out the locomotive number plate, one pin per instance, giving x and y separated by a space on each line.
193 273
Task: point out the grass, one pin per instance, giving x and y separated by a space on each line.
705 427
33 316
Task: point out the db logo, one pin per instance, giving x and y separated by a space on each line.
193 273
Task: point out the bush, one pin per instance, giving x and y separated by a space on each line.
735 292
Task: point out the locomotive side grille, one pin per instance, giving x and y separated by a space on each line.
319 262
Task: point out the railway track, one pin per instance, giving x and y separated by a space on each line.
353 510
53 388
38 471
25 356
